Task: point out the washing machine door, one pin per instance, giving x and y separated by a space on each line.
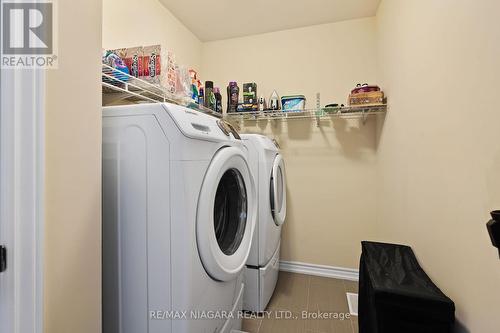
227 211
278 191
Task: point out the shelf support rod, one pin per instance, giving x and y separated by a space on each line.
318 106
365 116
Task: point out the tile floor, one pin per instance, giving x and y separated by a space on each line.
296 293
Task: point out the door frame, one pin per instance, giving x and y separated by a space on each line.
22 150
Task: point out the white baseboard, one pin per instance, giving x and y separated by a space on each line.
320 270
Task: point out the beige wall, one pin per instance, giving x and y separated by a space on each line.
330 169
128 23
327 58
73 175
439 152
331 188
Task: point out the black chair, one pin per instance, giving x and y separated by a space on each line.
397 296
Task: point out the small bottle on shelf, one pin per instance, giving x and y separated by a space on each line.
201 97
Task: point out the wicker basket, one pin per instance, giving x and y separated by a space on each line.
366 99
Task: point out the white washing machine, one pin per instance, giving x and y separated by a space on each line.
261 273
179 211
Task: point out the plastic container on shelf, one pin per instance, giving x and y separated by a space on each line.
293 103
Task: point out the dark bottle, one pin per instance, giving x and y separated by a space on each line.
209 89
233 92
218 100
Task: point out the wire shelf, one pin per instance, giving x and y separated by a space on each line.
119 87
346 112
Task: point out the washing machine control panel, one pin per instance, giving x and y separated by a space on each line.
195 124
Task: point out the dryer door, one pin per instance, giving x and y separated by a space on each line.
227 210
278 191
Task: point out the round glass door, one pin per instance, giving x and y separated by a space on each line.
230 211
227 211
278 191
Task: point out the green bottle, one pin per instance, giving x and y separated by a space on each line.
212 101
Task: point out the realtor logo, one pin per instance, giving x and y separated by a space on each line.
28 34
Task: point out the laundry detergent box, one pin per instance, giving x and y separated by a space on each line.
295 103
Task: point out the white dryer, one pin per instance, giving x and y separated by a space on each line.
179 211
261 273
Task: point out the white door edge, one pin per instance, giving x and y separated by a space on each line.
22 137
279 213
